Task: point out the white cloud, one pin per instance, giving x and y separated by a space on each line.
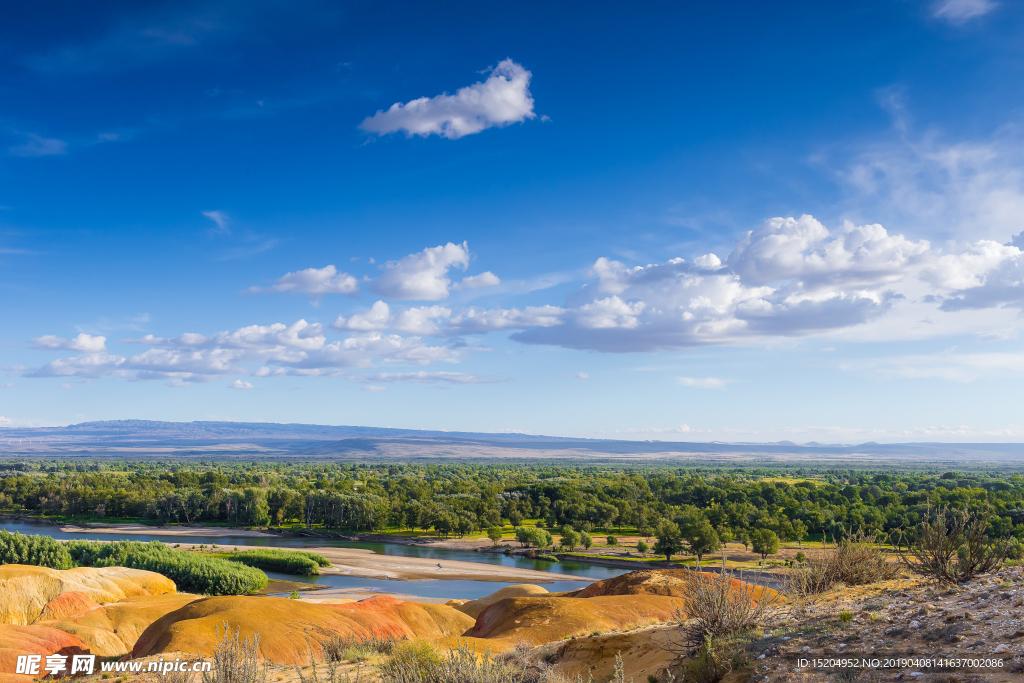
485 279
82 342
374 388
297 349
948 365
377 318
489 320
87 365
239 384
789 277
221 220
313 282
957 11
702 382
176 382
431 377
420 320
504 98
5 420
422 276
966 190
37 146
581 375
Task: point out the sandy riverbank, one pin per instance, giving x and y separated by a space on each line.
370 565
352 561
141 529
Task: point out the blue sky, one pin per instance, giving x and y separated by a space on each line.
679 221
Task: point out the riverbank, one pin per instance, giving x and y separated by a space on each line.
362 563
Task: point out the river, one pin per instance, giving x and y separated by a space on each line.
467 590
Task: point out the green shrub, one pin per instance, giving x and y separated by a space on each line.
40 551
192 573
846 616
284 561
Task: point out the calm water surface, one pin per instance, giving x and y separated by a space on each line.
467 590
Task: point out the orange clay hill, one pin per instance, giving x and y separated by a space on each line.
288 628
672 582
16 639
26 591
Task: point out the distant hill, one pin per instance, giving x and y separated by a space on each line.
149 438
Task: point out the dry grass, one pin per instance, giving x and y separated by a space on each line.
416 662
953 547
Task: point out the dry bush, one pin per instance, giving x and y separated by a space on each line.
416 662
349 648
710 664
954 547
721 604
236 661
856 560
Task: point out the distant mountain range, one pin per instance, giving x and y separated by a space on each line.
147 438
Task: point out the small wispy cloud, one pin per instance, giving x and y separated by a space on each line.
581 375
238 384
221 219
425 377
702 382
373 388
958 11
38 146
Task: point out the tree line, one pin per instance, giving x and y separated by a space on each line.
684 508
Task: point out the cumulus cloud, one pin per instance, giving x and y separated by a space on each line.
485 279
418 320
788 277
957 11
702 382
297 349
239 384
493 319
314 282
82 342
422 276
503 99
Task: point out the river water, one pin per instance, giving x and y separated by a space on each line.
466 590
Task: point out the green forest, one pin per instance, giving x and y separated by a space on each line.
795 504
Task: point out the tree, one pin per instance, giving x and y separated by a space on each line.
515 517
702 539
799 532
585 540
612 540
494 533
570 539
744 538
725 534
192 504
764 542
524 536
641 547
670 540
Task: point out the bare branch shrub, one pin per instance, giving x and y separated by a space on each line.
235 660
954 547
856 560
722 604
